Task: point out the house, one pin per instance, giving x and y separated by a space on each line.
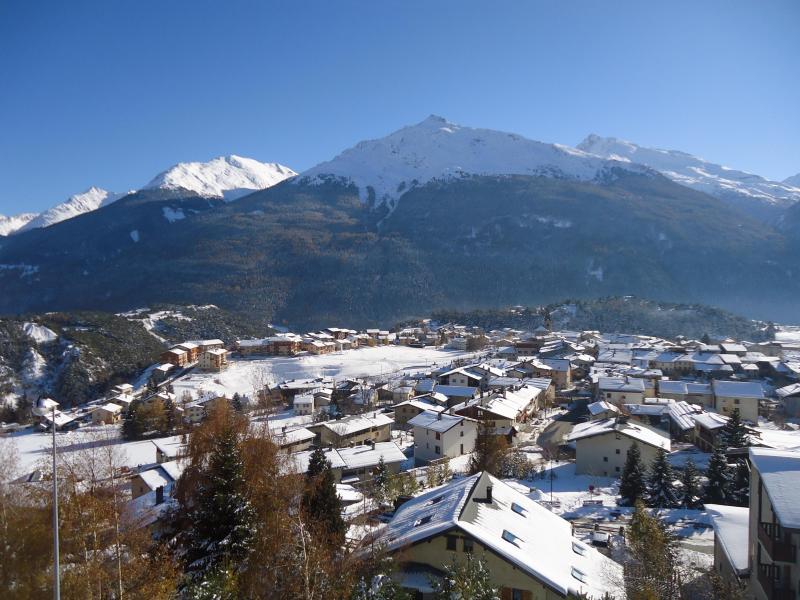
405 411
621 390
602 410
601 446
790 398
162 476
192 350
169 448
744 395
353 430
503 409
463 376
107 414
688 391
707 428
439 434
774 525
530 552
215 359
360 461
292 439
731 530
303 404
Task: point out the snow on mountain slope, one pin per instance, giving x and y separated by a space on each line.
90 200
793 181
696 173
228 177
9 225
438 149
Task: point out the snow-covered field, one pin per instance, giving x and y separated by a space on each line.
788 333
245 375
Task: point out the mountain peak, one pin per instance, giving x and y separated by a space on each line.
226 177
77 204
793 181
438 149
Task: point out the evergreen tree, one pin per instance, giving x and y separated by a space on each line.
740 486
632 483
169 415
381 481
236 403
661 483
132 426
320 502
690 486
468 579
223 520
489 451
705 339
734 434
650 567
718 488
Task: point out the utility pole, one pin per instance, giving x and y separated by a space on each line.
56 570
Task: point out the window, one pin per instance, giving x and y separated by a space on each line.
461 434
608 395
438 435
461 449
468 545
423 521
616 469
437 450
736 401
510 538
617 451
605 459
579 548
517 509
579 575
437 500
451 542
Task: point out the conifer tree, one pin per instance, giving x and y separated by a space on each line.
718 488
381 481
489 451
690 486
734 434
650 569
632 483
169 415
740 486
661 483
320 502
236 403
223 520
132 426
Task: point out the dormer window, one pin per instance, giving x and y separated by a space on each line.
423 521
511 538
580 575
436 500
517 509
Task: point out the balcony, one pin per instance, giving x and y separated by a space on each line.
776 542
773 587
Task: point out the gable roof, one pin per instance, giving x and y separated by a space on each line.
780 475
437 421
636 431
738 389
513 526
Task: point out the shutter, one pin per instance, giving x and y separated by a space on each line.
526 595
505 593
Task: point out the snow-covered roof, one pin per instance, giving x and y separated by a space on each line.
164 475
738 389
620 384
789 390
683 387
294 435
110 407
731 526
356 423
602 406
780 474
437 421
359 457
456 391
421 403
170 446
299 460
710 420
523 532
636 431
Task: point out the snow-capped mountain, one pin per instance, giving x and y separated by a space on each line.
227 177
9 225
78 204
438 149
746 190
794 180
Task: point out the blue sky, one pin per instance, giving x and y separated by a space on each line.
110 93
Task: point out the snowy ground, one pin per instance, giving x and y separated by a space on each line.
244 375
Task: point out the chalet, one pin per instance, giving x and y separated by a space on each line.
602 410
463 376
530 552
405 411
743 395
790 398
215 359
303 404
292 439
162 476
621 390
107 414
707 428
355 464
353 430
601 446
438 434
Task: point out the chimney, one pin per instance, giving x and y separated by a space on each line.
489 493
283 430
439 415
160 495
